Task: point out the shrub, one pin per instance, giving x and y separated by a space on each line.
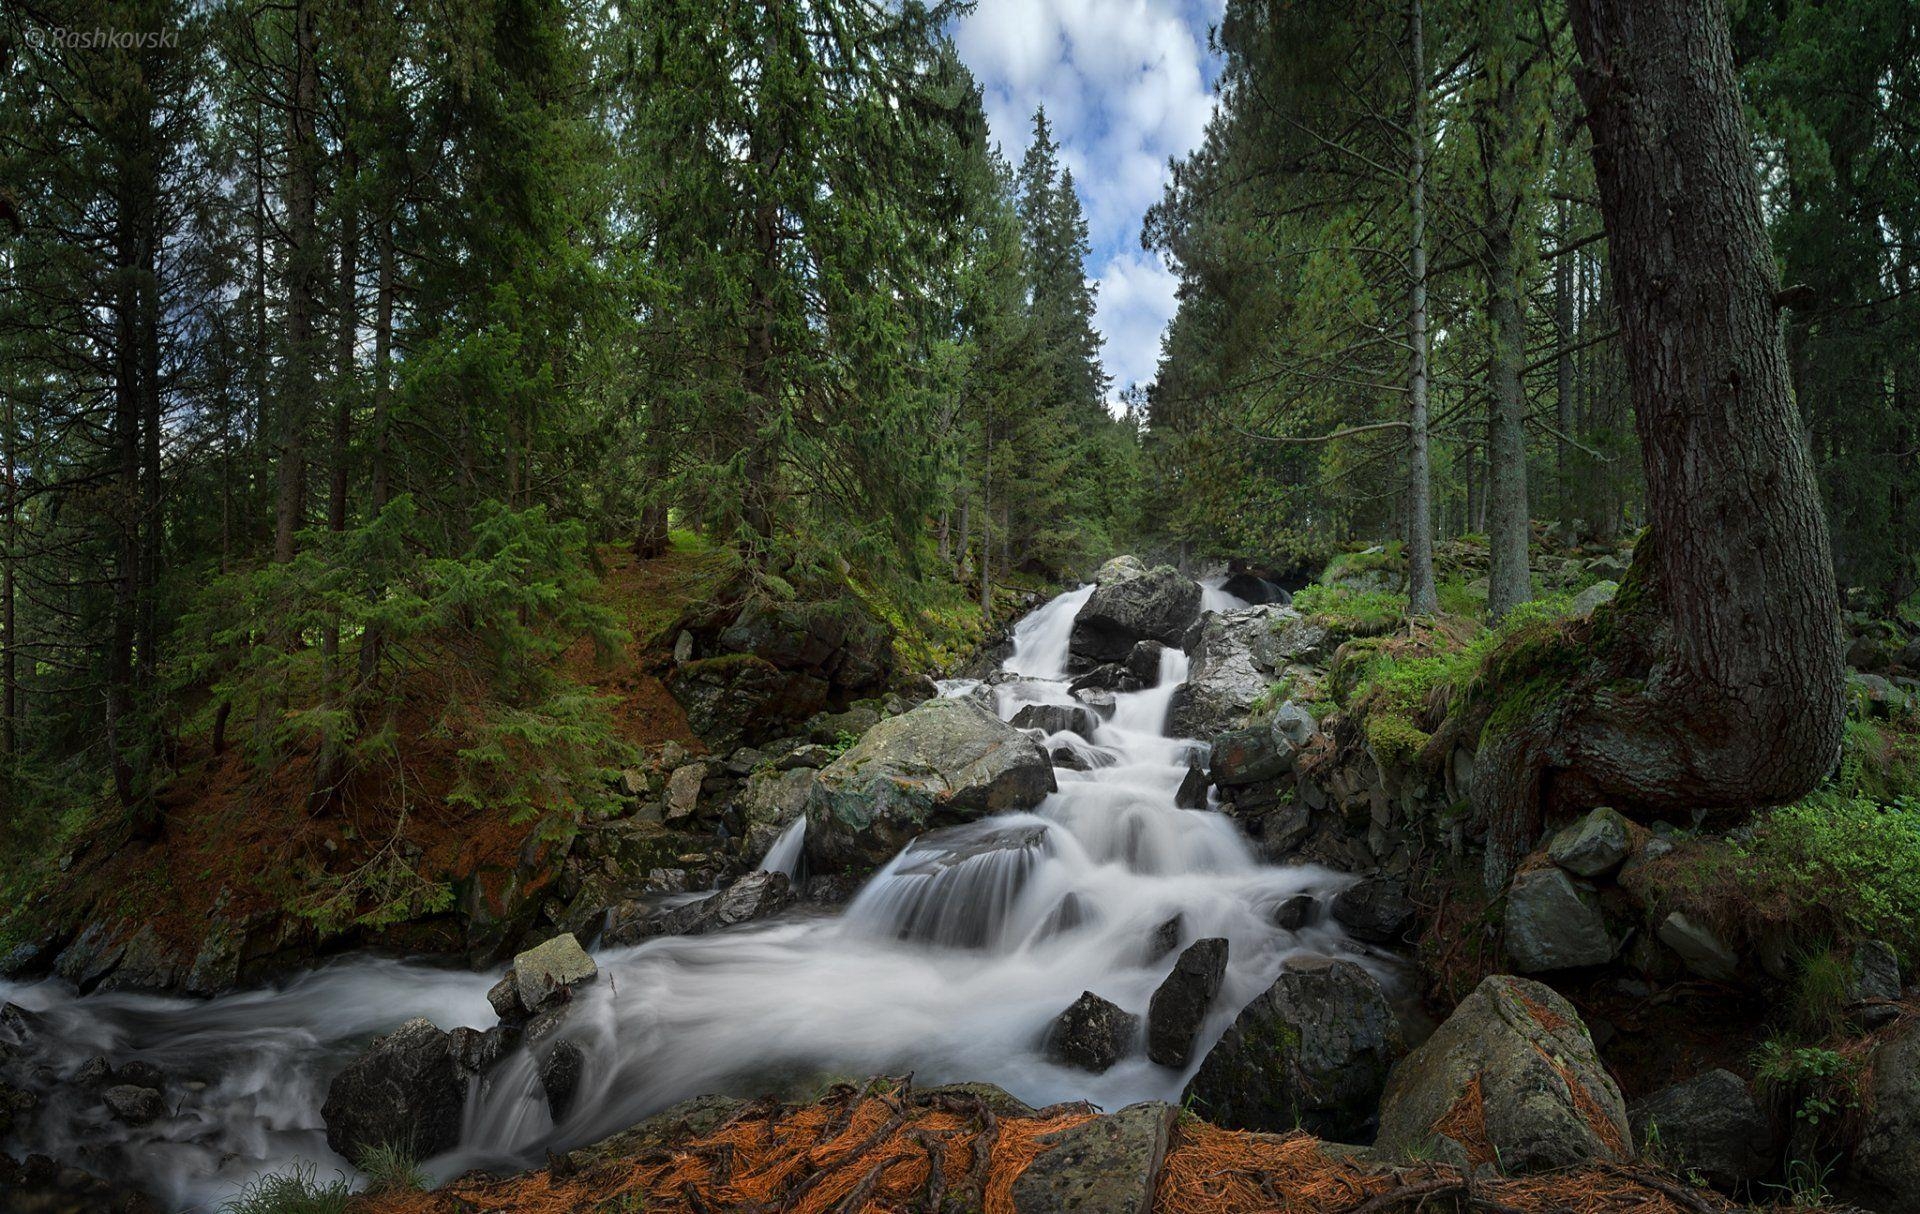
1356 612
1850 864
298 1191
391 1170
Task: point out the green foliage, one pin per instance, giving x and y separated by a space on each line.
391 1170
1355 612
1818 1085
1818 1003
296 1191
1848 863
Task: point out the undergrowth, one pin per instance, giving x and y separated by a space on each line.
298 1191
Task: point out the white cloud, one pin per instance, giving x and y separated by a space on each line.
1125 86
1136 302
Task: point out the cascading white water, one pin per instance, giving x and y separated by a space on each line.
784 855
951 962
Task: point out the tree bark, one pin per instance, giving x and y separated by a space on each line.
1563 374
302 153
1422 595
1714 680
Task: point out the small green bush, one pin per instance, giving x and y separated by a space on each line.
1851 863
298 1191
391 1170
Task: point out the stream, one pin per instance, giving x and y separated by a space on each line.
951 962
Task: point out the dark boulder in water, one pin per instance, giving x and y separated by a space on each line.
1092 1034
1375 910
1057 718
403 1092
560 1077
1180 1005
1134 604
1192 793
134 1105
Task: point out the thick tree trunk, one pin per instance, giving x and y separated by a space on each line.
302 253
1714 681
1508 581
1563 374
1422 596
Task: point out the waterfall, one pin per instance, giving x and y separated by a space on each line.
950 962
784 855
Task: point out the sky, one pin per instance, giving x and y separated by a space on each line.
1126 84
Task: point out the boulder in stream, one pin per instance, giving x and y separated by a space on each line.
945 761
1057 718
541 973
560 1077
1133 604
133 1104
403 1092
1092 1034
1180 1005
758 895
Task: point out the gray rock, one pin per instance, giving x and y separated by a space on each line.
1708 1124
1873 983
1886 1159
1235 657
1165 938
945 761
141 1073
683 647
504 997
542 972
1524 1045
1250 756
1314 1050
1105 1166
1057 718
1092 1034
1376 910
1284 829
403 1092
1699 949
1553 926
560 1077
94 1072
1589 599
133 1105
1179 1006
1295 913
683 790
475 1052
1594 845
758 895
772 800
997 1099
1143 662
689 1118
1193 790
1147 605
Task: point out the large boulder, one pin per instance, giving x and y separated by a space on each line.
541 973
946 761
1092 1034
1180 1004
1313 1050
1886 1160
1551 925
1109 1165
772 800
839 641
404 1092
1593 846
1235 657
739 698
1707 1125
1057 718
1375 909
1511 1079
1133 605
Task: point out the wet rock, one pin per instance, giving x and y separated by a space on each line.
403 1092
1105 1166
140 1073
1284 829
147 963
19 1110
1520 1048
560 1077
758 895
773 800
475 1052
1709 1125
94 1072
542 972
504 997
1295 913
1165 938
1376 910
134 1105
1699 949
942 762
1057 718
1092 1034
1593 846
1873 983
1143 662
1180 1004
1098 686
1313 1050
689 1118
1250 756
997 1099
1886 1159
1236 657
1553 926
1134 605
1193 790
1069 758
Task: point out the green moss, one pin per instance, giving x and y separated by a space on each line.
1845 865
1395 741
1354 612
